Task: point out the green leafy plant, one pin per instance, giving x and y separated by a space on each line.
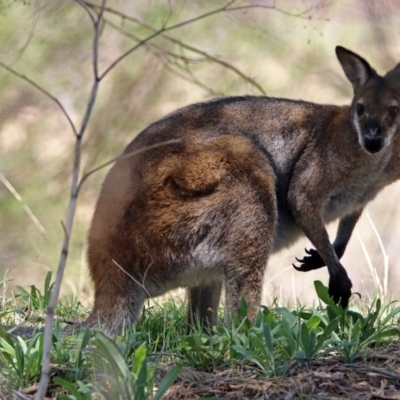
118 380
34 299
20 359
89 364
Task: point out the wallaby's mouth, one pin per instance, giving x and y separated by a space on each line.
373 144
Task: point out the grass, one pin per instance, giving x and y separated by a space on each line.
146 359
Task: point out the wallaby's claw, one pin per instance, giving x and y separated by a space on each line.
340 290
296 267
310 262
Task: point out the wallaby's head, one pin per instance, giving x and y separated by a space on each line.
375 108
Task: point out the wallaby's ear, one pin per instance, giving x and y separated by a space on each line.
394 75
357 70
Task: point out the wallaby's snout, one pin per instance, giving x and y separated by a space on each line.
373 139
375 110
375 126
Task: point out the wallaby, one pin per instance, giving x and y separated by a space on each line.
245 177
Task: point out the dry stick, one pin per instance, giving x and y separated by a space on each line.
75 186
19 396
133 153
190 48
302 14
45 375
158 52
160 31
25 206
44 91
225 8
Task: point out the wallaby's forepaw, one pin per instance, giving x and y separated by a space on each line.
340 290
310 262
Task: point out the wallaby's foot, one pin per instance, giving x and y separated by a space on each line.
203 302
310 262
340 289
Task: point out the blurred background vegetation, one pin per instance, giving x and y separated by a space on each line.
285 49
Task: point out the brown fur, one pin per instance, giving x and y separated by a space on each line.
247 177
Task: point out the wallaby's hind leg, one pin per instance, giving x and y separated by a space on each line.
203 304
242 225
114 312
247 286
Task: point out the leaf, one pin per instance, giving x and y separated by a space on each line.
67 385
326 333
268 339
313 322
288 316
381 334
243 308
140 371
305 335
322 292
110 351
167 381
390 316
355 316
241 350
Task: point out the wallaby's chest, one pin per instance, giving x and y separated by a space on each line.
352 195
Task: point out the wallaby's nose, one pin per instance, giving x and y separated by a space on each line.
373 127
373 138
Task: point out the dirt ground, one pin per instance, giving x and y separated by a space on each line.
373 375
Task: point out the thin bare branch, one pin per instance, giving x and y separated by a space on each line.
180 43
64 228
19 395
42 90
87 9
97 29
172 27
89 108
191 79
25 206
227 7
169 14
35 18
133 153
95 86
302 14
130 276
131 50
45 373
219 61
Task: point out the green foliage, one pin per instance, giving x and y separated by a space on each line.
20 359
115 377
34 299
356 331
90 363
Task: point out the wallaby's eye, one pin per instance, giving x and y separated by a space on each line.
393 110
360 109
